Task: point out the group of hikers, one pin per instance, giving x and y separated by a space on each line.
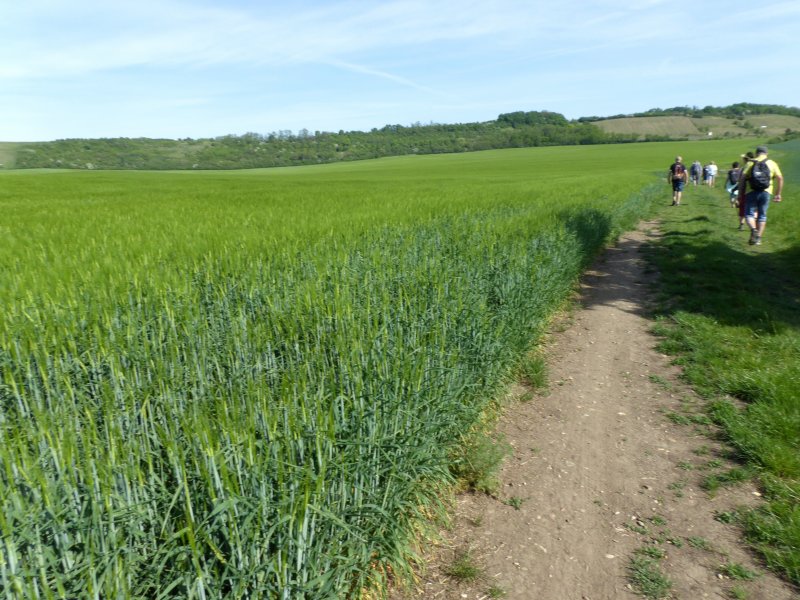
705 174
750 185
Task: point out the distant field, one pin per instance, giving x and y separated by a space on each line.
250 383
775 124
672 126
699 128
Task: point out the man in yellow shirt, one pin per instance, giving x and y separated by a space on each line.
760 176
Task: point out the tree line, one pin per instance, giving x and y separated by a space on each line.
733 111
284 148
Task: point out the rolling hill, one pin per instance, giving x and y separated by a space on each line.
696 128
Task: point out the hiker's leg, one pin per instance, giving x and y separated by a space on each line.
677 189
750 209
763 205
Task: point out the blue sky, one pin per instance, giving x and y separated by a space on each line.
203 68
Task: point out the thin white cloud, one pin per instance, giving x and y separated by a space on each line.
383 75
127 33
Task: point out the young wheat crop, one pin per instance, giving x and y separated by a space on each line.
248 384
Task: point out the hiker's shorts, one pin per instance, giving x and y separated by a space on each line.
677 185
757 203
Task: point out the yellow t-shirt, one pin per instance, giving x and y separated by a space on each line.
774 169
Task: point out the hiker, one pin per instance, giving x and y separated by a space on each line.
712 173
677 177
707 175
695 171
732 183
760 176
740 201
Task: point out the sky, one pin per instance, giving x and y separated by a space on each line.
206 68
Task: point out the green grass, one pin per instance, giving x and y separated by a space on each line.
515 502
730 315
496 591
738 572
464 567
478 460
731 477
738 593
653 552
700 543
687 418
533 371
647 578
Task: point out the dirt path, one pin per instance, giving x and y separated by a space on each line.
607 462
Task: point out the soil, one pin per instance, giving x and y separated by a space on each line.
607 461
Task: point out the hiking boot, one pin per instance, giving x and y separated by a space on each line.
758 240
753 236
741 226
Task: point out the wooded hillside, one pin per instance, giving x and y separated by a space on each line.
511 130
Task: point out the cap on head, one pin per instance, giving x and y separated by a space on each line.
678 159
761 150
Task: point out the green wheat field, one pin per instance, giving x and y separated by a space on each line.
250 384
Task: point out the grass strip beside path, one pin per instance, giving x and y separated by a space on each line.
730 313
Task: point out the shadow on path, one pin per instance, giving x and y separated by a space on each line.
736 287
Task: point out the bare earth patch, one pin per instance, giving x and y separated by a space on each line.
607 467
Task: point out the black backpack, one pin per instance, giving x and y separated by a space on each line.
760 176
